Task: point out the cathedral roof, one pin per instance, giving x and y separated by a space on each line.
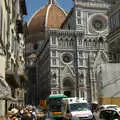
50 16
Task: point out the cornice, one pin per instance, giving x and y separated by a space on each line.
93 4
59 32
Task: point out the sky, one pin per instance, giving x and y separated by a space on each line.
34 5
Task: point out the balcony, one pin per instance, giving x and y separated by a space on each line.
23 78
12 79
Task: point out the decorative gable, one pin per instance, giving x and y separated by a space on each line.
68 70
101 58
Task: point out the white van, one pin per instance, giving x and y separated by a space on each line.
76 109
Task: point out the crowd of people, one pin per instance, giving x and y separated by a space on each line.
24 113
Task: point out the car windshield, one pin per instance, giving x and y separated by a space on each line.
109 115
55 105
79 107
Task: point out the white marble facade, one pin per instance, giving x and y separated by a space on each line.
66 56
92 23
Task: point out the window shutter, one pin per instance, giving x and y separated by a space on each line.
23 9
19 26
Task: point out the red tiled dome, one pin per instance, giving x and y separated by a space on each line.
50 16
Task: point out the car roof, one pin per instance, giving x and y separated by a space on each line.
115 109
108 105
52 96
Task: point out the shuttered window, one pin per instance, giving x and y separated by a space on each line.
23 9
19 26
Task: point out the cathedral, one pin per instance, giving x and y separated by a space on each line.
62 47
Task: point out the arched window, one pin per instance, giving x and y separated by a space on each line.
54 53
78 13
68 27
80 53
70 43
81 76
54 75
85 42
101 40
81 62
35 47
90 42
54 61
60 42
94 43
80 42
61 39
12 65
67 42
67 82
53 40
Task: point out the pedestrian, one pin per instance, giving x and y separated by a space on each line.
27 115
2 118
10 107
40 116
12 115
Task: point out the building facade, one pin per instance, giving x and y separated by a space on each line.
106 66
113 37
15 74
32 84
35 39
107 79
66 54
12 50
4 87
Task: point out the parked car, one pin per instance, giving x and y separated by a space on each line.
108 106
108 114
101 107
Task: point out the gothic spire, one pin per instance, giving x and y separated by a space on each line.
52 2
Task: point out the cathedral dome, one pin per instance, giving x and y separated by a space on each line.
50 16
